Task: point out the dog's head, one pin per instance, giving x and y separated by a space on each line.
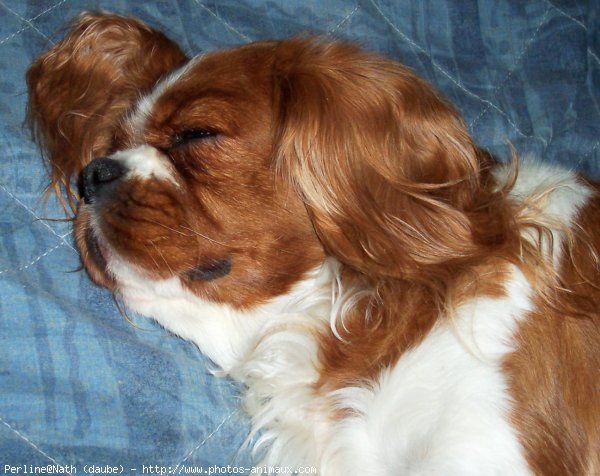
239 171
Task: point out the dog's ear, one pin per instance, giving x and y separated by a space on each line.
80 89
386 167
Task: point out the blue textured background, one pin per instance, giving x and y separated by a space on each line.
78 383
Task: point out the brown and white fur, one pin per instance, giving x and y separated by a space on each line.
319 222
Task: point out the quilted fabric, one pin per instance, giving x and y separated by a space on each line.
79 384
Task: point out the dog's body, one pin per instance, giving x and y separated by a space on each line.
318 221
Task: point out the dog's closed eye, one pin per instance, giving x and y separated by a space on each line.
187 136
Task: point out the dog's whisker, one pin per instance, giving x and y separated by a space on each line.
202 235
149 252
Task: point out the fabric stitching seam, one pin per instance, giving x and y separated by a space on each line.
22 268
344 20
581 24
520 57
448 75
28 22
10 37
203 442
227 25
31 443
11 195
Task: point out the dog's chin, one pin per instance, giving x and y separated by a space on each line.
95 260
96 251
94 254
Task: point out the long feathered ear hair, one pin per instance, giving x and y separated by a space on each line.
391 178
81 88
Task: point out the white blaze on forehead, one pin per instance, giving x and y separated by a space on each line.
147 162
142 110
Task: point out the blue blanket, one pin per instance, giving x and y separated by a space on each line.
80 384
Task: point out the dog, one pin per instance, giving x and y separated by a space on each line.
318 221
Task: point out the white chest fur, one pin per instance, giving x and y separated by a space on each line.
443 408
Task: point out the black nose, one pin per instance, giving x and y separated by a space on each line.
98 175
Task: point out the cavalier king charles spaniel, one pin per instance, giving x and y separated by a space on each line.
318 221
